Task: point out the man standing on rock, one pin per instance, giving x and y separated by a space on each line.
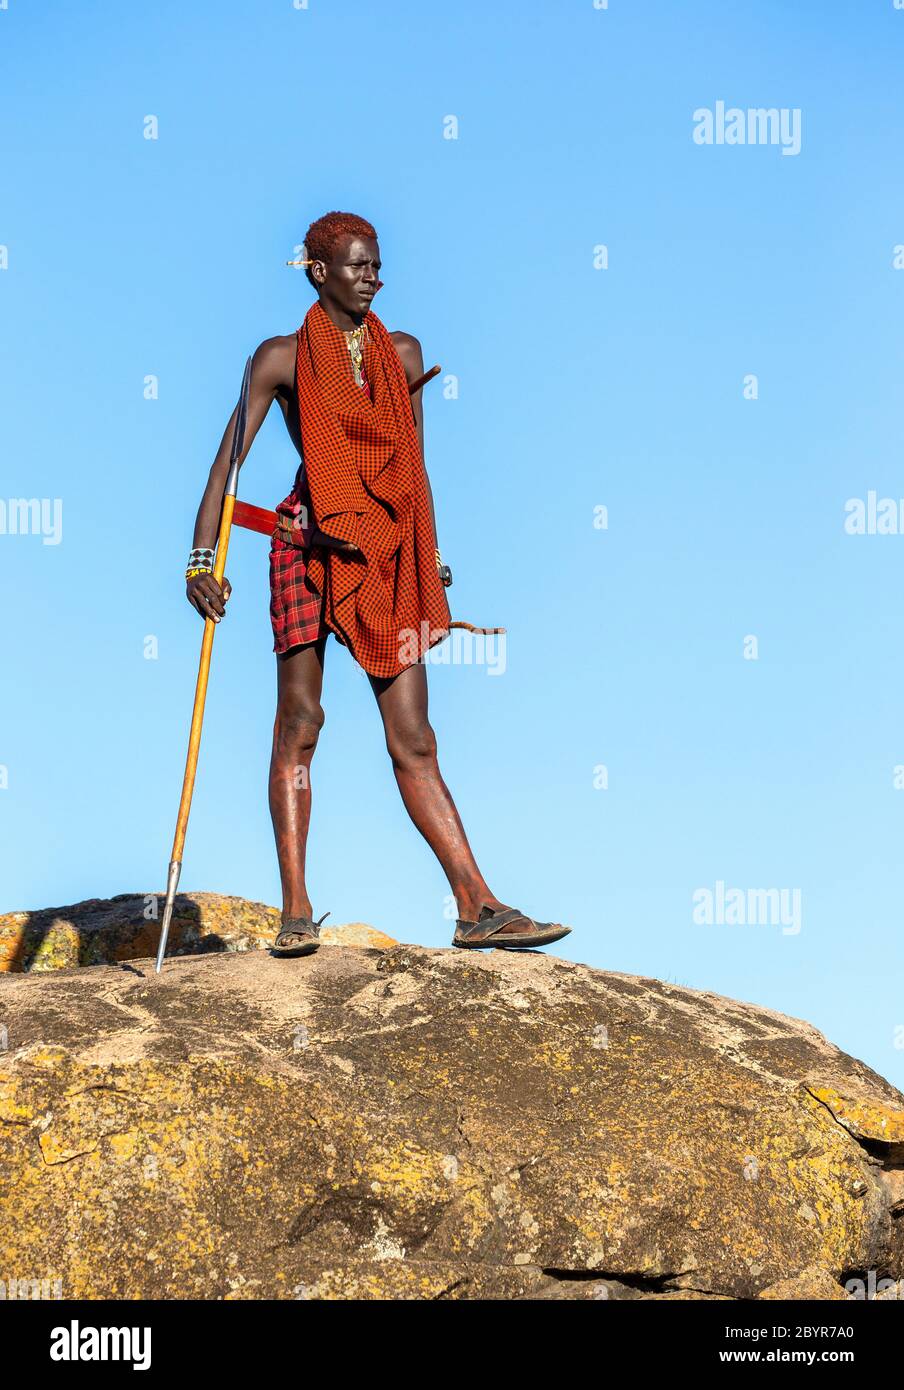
354 553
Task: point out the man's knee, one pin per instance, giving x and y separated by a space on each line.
299 720
414 743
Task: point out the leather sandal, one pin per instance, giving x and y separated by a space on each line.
299 936
487 931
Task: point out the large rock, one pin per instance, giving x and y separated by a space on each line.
127 927
432 1124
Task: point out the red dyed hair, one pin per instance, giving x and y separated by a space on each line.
323 236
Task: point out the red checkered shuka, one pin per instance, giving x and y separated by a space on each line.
367 485
296 608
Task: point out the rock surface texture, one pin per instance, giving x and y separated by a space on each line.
103 930
425 1124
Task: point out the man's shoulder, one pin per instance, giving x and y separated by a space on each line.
406 340
409 349
274 358
277 346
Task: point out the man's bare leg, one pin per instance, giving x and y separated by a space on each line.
299 719
412 747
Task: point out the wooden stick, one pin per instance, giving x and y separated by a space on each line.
194 737
197 717
469 627
422 380
197 714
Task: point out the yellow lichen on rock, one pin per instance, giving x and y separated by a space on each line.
411 1123
865 1118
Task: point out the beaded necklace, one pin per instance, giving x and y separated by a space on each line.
355 339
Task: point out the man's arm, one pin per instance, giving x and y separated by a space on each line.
409 350
273 366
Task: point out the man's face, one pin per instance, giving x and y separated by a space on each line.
350 279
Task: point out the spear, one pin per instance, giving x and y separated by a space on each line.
197 716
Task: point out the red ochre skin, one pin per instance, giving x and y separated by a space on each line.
346 285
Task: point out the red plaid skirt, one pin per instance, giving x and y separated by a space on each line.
295 608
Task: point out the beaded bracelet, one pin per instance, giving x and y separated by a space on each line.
200 561
444 571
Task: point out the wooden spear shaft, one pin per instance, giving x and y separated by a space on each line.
197 714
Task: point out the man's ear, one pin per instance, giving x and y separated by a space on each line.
318 270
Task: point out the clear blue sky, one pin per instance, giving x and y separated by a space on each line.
578 388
